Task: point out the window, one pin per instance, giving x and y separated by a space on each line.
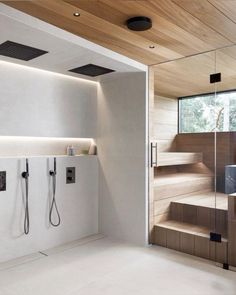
208 113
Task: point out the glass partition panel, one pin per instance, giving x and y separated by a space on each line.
225 216
183 124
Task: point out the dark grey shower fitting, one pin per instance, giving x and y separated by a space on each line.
25 175
53 204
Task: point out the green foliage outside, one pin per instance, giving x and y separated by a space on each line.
208 113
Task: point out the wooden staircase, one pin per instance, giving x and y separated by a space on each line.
184 207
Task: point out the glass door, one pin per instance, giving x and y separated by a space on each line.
183 126
225 157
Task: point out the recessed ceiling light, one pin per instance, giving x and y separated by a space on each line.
151 46
76 14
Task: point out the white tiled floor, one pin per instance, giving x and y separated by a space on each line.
105 267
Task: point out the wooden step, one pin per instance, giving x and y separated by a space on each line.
190 239
178 184
207 199
200 209
178 158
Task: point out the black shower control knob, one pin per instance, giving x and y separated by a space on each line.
70 175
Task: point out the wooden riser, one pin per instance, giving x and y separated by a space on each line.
180 184
214 219
193 241
170 159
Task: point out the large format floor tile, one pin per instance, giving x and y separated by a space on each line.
108 267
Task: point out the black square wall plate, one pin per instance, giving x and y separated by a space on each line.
214 78
20 51
91 70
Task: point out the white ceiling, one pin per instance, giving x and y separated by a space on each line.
66 51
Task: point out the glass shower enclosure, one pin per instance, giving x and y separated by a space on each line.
194 174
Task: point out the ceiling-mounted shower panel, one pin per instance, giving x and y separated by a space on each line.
20 51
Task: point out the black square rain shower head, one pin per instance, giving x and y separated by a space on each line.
20 51
91 70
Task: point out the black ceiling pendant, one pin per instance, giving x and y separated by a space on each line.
91 70
139 23
20 51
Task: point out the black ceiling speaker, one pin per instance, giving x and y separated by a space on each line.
139 23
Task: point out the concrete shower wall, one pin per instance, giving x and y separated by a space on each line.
77 203
40 103
122 157
36 103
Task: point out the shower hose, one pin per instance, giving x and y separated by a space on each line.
26 220
54 203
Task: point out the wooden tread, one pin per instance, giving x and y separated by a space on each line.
173 178
188 228
207 199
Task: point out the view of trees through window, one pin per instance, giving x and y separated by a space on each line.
208 113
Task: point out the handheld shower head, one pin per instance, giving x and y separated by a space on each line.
55 165
54 171
25 174
53 205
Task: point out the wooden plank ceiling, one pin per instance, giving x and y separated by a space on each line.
180 27
190 75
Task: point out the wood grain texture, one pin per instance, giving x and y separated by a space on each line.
203 209
187 243
177 184
179 29
231 230
190 76
205 142
164 118
173 158
228 8
211 16
185 77
190 239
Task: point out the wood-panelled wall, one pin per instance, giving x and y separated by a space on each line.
225 143
231 230
165 122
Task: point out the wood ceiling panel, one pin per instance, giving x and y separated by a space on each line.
185 20
179 29
190 76
163 33
211 16
185 77
227 7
